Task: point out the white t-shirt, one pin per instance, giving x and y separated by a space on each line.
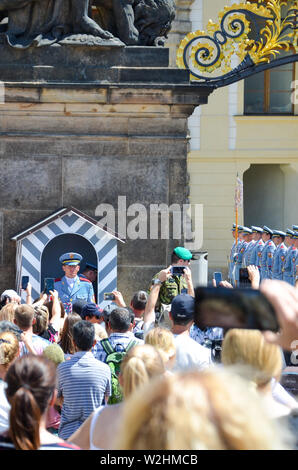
190 354
4 408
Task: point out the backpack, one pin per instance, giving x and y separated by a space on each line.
113 360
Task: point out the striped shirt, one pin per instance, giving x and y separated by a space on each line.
119 342
84 382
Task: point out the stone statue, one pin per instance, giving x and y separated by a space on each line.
44 22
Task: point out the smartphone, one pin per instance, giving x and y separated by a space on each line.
49 284
177 270
218 278
243 277
108 296
233 308
25 280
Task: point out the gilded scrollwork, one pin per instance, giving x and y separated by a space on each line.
246 33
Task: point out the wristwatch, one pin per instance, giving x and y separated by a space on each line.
157 281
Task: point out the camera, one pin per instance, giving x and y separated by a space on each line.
244 277
177 270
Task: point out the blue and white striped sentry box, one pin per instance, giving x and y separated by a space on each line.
32 242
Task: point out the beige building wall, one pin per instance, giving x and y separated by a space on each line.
223 143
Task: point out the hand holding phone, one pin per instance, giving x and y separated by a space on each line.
217 277
109 296
25 280
49 284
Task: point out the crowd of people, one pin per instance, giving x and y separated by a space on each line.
143 376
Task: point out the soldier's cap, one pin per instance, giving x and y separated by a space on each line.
289 232
278 233
183 253
267 230
183 307
246 231
295 235
240 228
295 228
91 310
256 229
92 267
70 259
234 228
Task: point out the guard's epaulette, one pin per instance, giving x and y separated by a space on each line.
58 279
84 279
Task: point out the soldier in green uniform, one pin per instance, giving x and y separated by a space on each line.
175 284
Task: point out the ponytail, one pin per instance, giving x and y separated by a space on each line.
24 420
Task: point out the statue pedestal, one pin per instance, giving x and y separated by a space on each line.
78 130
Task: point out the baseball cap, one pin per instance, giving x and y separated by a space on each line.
91 310
183 307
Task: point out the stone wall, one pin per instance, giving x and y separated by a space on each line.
82 144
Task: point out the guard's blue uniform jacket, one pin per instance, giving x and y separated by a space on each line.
239 257
290 266
246 260
279 261
82 289
232 261
256 253
267 260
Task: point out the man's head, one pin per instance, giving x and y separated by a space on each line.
24 316
121 320
289 237
70 264
267 233
182 309
181 256
256 232
247 234
83 335
90 272
138 302
278 237
92 313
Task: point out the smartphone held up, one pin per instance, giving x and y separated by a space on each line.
233 308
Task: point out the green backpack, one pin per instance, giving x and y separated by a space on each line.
113 360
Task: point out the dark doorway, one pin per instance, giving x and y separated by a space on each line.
263 196
50 265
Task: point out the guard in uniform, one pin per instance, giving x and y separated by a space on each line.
71 287
231 257
240 250
256 252
279 258
90 273
289 241
294 261
250 244
267 254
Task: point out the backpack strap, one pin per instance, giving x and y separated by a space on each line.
108 349
130 345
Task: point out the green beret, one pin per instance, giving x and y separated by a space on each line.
183 253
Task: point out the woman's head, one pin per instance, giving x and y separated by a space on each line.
9 348
210 410
66 341
249 348
41 319
163 340
139 365
31 382
7 312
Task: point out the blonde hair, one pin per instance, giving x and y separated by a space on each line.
9 348
7 312
41 315
210 410
249 348
100 332
138 366
163 340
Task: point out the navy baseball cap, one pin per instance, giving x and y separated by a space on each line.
91 310
183 307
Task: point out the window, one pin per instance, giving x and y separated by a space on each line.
270 92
